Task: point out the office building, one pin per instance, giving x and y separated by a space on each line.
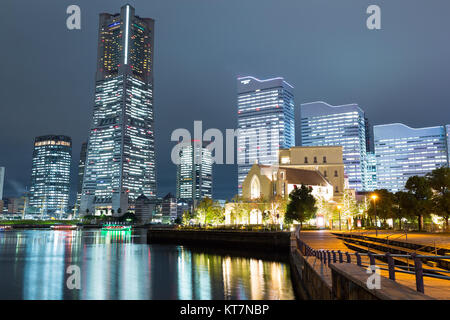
371 172
50 174
194 173
402 152
265 122
326 125
81 166
120 161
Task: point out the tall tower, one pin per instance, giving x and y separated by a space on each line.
194 173
326 125
81 167
120 163
50 174
265 122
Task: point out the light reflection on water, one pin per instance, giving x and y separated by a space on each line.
120 265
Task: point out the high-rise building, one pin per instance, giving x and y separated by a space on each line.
120 162
194 173
371 172
326 125
265 122
50 174
81 166
402 152
2 181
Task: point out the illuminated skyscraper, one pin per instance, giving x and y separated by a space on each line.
81 166
265 122
2 182
402 152
326 125
50 174
120 163
194 173
371 172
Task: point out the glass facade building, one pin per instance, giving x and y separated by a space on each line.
265 122
120 161
326 125
402 152
50 174
371 172
194 173
81 166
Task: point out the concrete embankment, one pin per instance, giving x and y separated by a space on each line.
278 241
341 281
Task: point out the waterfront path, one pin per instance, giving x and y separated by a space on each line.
324 239
441 240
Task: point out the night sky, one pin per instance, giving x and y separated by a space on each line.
398 74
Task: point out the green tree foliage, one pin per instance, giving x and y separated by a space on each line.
186 218
301 205
209 212
439 180
383 207
420 198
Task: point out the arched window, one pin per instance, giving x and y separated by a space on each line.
306 159
315 159
255 188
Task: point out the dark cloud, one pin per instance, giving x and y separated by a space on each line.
322 47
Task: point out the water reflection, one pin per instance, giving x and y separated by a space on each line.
120 265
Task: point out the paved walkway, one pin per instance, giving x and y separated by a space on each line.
324 239
441 240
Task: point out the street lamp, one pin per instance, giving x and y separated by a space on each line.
374 198
339 208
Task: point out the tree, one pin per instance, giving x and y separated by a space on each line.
239 209
186 218
384 208
420 198
439 180
209 211
301 205
128 217
278 206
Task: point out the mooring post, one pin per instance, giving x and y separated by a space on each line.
391 266
349 259
419 273
358 259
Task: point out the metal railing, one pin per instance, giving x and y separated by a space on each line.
327 257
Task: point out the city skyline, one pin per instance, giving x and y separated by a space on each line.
435 111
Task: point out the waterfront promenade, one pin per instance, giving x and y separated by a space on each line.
325 239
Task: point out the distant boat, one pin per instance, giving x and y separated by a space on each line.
64 227
4 228
114 227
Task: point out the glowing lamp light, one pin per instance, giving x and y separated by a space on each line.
320 221
374 197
